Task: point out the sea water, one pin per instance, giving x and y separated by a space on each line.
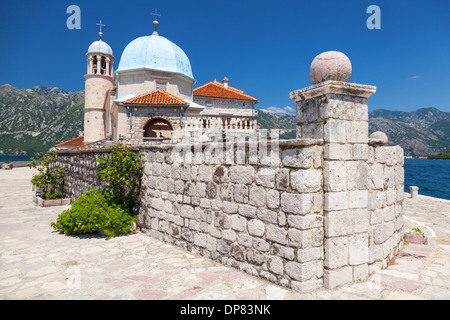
431 176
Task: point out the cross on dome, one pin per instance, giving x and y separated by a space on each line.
101 25
155 22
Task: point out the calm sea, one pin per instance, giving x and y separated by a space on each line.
431 176
4 158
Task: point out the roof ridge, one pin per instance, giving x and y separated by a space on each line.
227 93
68 141
159 92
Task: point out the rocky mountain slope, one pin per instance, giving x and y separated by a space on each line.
421 133
38 118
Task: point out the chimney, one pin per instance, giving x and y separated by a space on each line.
225 82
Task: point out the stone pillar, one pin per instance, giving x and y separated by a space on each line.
107 71
337 113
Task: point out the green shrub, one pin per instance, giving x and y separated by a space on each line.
50 180
92 212
121 170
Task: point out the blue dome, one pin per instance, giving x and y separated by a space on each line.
100 46
155 53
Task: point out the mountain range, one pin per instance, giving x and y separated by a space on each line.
36 119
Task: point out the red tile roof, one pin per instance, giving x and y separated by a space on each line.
216 89
156 97
75 142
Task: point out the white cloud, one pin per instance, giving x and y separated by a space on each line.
415 78
285 110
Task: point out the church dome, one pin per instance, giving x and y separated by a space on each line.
100 46
155 53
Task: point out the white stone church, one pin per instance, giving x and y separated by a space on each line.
151 96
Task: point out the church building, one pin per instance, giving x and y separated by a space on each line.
151 97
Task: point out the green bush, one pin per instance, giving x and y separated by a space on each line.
121 170
50 180
93 212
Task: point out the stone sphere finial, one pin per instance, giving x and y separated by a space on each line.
330 65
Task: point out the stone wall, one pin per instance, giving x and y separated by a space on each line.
264 218
322 210
385 204
80 171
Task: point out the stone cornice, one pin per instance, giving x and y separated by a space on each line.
333 87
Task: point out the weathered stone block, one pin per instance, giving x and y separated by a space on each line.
282 179
358 199
229 235
298 238
307 111
335 176
223 246
305 222
296 203
200 240
336 252
247 211
229 207
261 245
339 223
359 249
335 131
257 196
300 271
256 228
276 234
267 215
306 180
310 254
335 151
275 265
238 223
357 131
241 174
338 277
382 232
265 177
273 199
312 130
297 158
336 201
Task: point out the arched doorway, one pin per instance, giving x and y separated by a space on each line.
158 128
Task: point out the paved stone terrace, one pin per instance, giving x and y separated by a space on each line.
38 263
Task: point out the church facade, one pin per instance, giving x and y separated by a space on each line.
151 97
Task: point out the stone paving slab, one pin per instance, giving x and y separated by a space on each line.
38 263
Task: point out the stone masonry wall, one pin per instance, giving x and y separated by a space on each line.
385 204
322 210
262 215
80 171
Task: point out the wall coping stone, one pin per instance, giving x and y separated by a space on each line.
334 87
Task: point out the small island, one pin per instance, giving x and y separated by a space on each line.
444 155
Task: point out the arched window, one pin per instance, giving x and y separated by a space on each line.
158 128
103 66
94 65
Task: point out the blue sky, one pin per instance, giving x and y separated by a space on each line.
264 47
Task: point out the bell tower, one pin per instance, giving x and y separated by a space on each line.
98 80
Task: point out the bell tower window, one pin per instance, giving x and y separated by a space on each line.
103 66
95 65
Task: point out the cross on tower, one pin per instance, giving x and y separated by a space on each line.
101 25
156 14
155 22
